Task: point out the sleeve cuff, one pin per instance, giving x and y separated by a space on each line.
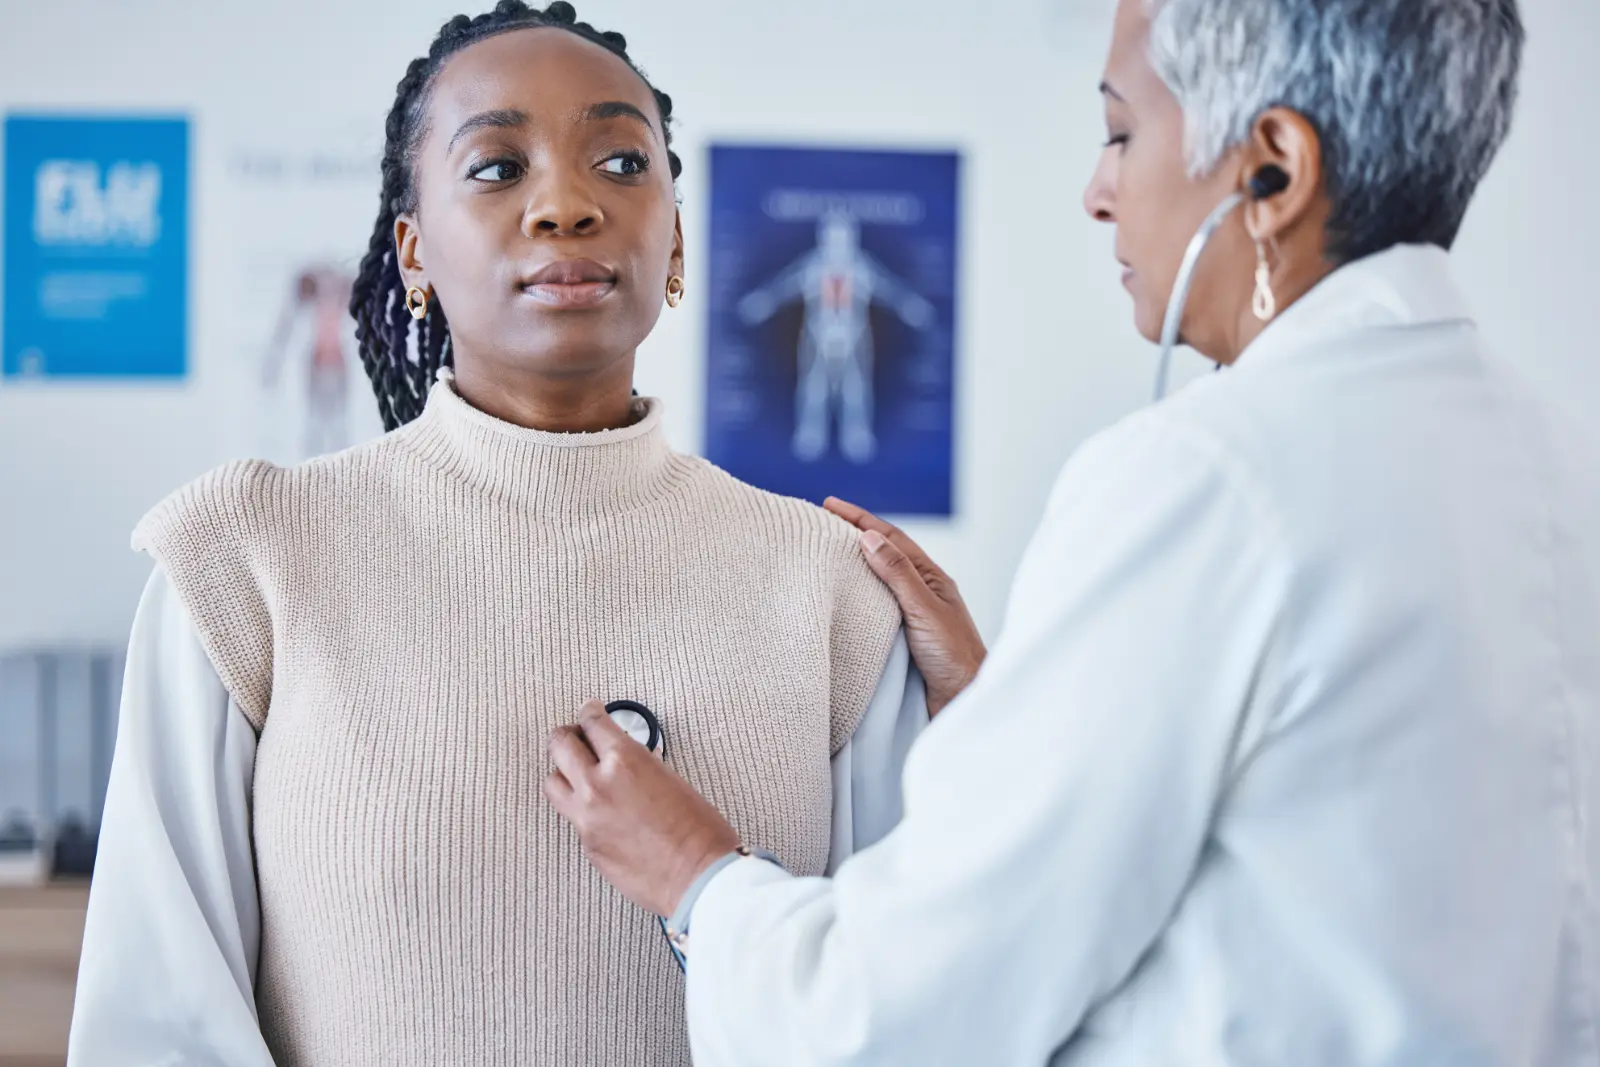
677 926
678 921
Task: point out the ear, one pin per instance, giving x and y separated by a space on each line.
1287 140
675 262
408 251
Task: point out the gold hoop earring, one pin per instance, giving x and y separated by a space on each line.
674 291
417 303
1263 303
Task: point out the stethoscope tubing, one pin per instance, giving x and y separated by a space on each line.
1180 290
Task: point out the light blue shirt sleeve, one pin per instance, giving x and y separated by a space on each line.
867 770
170 946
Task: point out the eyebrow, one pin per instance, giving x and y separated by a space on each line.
501 119
511 119
1105 87
617 109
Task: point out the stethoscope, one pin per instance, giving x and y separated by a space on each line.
639 723
1269 181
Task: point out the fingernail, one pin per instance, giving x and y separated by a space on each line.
872 540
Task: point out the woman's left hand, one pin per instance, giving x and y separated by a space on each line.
643 827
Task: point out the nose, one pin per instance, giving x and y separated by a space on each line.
561 205
1100 198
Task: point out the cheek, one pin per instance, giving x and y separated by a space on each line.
1140 225
1161 210
649 258
466 239
466 247
1144 201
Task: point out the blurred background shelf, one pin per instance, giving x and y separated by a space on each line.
41 931
58 709
58 722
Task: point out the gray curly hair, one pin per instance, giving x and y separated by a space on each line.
1411 98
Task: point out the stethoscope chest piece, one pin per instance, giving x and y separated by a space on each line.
639 723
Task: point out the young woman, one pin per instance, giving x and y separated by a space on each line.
325 840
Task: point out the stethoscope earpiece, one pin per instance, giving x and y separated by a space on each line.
1268 182
639 723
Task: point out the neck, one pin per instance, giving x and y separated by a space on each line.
554 473
586 403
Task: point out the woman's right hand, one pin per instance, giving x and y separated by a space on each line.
944 640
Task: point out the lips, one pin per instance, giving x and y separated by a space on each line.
570 283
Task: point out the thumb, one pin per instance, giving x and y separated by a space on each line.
896 570
600 730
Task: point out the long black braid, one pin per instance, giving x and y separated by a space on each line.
401 375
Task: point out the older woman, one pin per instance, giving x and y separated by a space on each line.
1289 753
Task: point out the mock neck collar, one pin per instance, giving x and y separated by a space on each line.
1407 285
556 474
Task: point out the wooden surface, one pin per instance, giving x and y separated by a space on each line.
40 933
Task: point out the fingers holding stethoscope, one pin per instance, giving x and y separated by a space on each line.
579 749
641 824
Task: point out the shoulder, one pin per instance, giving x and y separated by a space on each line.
247 499
221 503
807 537
1153 486
227 540
1165 449
1355 437
775 515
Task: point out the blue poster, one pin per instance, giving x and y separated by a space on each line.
96 247
830 350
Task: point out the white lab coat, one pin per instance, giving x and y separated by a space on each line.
1289 753
173 932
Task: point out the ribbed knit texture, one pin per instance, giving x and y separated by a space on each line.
406 622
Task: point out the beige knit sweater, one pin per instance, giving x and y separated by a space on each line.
404 623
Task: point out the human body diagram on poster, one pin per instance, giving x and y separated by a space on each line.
838 281
319 298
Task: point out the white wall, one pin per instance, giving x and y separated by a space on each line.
1047 354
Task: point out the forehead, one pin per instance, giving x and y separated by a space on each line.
1128 67
539 71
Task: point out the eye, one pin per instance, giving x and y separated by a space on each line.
500 170
626 164
1117 140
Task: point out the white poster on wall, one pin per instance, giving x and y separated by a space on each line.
302 212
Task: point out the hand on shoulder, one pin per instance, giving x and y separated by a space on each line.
944 640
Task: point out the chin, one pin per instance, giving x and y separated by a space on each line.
578 350
565 362
1148 319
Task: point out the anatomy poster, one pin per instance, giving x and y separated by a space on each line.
301 215
831 351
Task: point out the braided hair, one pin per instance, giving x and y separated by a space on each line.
401 373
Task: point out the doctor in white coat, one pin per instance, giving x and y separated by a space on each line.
1289 751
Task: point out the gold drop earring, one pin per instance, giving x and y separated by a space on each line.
1263 303
417 302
